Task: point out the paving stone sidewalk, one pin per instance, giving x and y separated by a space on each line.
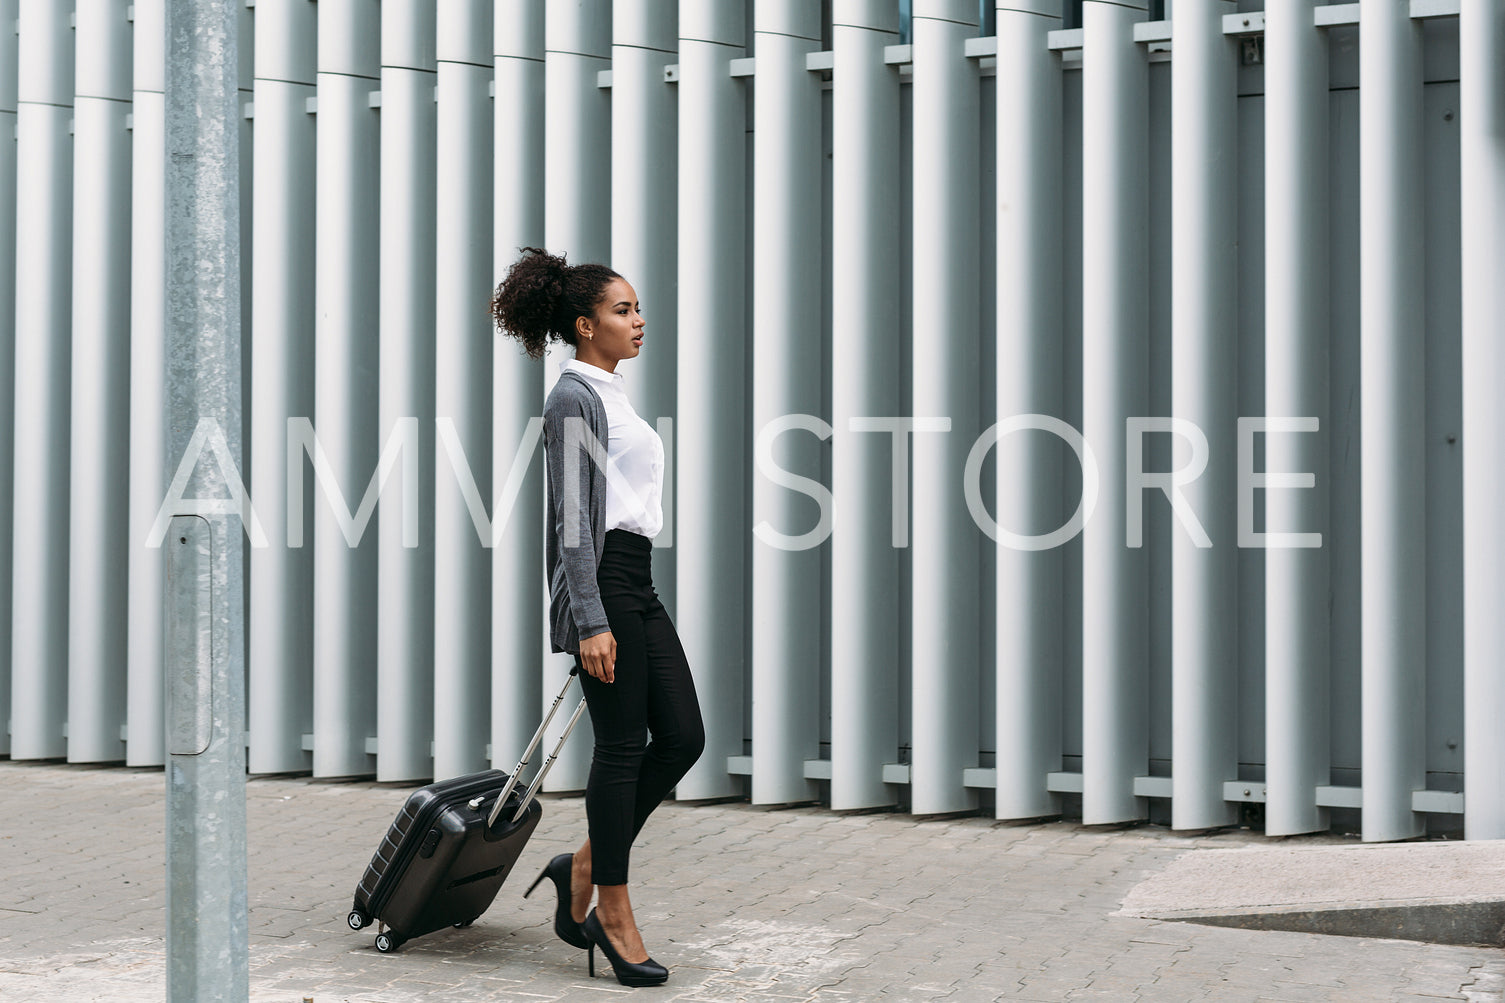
742 904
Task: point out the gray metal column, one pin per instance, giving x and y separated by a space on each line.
204 597
347 207
1297 660
100 424
462 288
405 573
246 29
787 380
710 508
865 232
8 55
1027 616
578 170
1481 34
518 602
145 700
44 227
1204 391
577 223
1115 387
1393 367
645 39
945 612
281 695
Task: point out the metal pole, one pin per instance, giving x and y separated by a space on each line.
1393 402
145 700
517 566
405 573
712 528
282 381
347 202
865 232
8 58
787 377
1297 622
645 38
577 186
101 383
44 227
1481 34
1115 387
1204 391
1031 380
577 216
204 597
945 610
463 365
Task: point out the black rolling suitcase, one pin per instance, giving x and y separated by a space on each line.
450 848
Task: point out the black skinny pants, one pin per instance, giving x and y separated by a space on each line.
653 694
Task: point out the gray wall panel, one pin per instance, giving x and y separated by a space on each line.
436 218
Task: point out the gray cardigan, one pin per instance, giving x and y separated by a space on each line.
575 439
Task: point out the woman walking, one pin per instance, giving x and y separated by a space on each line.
605 485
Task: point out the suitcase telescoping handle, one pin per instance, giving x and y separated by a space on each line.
543 771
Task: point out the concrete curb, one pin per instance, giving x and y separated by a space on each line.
1439 893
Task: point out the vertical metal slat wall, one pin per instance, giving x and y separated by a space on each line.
9 52
1095 419
463 402
145 709
517 567
1296 418
44 335
1204 393
282 336
408 125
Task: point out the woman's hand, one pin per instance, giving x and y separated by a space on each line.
598 653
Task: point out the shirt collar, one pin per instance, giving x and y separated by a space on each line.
591 372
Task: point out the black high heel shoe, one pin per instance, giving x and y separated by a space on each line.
649 973
558 871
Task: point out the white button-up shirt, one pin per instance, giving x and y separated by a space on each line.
635 456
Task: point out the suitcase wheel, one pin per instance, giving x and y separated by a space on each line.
358 920
386 943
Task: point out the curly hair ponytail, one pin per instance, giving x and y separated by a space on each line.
542 296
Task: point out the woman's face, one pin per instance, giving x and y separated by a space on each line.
616 332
